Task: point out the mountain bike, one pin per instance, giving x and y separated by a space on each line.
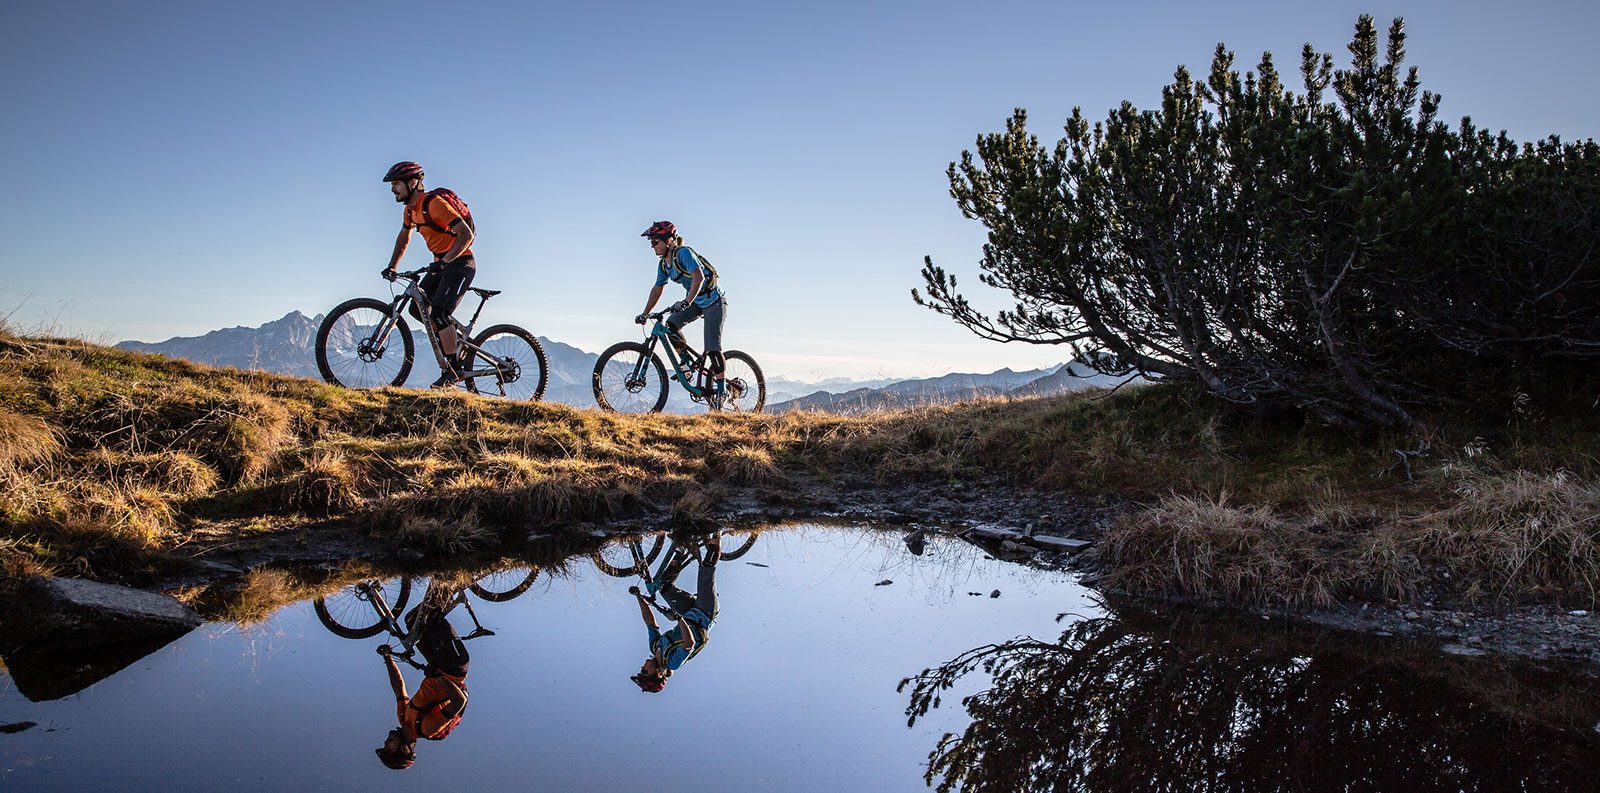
629 377
367 343
388 619
368 607
629 557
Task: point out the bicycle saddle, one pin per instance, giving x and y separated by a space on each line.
485 293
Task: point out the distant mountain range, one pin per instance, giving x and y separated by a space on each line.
284 346
953 387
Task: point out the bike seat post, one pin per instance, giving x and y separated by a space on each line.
482 298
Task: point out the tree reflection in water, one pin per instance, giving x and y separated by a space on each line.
1131 702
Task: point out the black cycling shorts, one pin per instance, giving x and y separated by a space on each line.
446 287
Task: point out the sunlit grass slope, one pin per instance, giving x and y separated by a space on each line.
109 459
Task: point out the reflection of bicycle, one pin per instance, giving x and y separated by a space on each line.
629 377
630 558
369 607
366 343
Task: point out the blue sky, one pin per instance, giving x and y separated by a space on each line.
177 167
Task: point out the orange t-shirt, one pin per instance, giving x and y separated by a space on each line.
442 213
434 699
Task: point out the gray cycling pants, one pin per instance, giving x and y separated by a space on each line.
704 598
715 315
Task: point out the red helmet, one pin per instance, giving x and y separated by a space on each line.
661 228
403 172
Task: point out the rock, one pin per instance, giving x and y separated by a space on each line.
7 729
976 594
757 564
55 614
995 594
884 582
1412 615
1578 613
412 554
210 569
56 674
1059 543
917 542
1457 649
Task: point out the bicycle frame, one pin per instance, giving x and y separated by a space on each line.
372 593
683 364
413 293
653 582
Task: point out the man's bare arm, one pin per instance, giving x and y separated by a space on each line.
400 243
464 237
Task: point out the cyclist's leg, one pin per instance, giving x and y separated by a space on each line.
447 294
677 319
705 595
716 314
679 600
429 284
436 638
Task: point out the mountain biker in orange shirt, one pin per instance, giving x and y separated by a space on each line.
437 706
449 236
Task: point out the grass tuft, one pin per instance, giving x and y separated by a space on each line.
1208 548
1518 533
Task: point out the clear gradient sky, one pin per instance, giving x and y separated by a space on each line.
176 167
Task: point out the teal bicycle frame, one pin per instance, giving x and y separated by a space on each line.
653 582
683 363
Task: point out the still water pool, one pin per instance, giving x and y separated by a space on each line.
799 688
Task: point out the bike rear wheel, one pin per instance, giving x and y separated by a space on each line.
520 358
349 614
747 387
348 354
617 560
629 378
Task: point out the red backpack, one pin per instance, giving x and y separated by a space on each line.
449 196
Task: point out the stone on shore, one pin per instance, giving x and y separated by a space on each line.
56 614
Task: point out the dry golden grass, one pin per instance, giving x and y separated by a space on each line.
103 450
25 440
1517 533
1207 548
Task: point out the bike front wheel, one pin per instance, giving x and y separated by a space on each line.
498 587
618 561
738 546
350 614
747 387
519 358
360 344
629 378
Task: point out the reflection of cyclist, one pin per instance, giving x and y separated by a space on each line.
681 264
440 700
696 613
446 226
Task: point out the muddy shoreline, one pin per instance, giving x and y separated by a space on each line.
1538 631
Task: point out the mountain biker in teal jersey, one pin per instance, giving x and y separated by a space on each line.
696 614
681 264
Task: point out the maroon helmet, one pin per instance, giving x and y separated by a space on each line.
403 172
661 228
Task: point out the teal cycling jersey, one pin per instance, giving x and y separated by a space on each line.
681 268
669 646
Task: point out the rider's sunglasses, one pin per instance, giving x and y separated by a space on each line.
656 241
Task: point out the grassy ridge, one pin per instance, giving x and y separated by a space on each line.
109 459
